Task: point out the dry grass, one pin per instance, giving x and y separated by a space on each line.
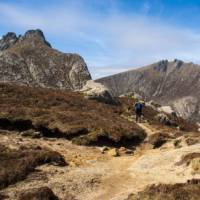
179 191
43 193
158 139
62 114
186 159
17 164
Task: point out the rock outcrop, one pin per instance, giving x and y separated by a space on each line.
175 84
30 60
8 40
97 91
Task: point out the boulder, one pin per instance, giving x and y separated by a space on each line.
113 152
166 109
123 150
104 149
164 119
96 91
31 133
195 164
153 105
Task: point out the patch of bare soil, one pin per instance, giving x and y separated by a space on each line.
93 175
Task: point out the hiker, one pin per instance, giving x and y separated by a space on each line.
138 110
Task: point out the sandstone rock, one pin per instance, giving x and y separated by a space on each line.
123 150
195 164
113 152
31 133
103 149
30 60
166 109
97 91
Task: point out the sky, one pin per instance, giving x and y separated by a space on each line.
111 35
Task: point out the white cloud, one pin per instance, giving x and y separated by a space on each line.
114 39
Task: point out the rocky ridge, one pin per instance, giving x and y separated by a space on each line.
175 84
30 60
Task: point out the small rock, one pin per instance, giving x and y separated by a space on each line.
31 133
103 149
195 163
129 151
122 149
113 152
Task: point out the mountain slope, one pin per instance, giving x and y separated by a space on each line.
168 83
30 60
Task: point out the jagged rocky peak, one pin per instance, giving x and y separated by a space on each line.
178 63
30 60
161 66
35 35
166 66
11 38
8 40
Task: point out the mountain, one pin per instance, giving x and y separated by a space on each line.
168 83
30 60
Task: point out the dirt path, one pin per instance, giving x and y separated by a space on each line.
144 125
92 175
149 130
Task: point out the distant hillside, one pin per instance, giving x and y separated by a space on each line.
30 60
168 83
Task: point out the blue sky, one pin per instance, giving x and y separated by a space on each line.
111 35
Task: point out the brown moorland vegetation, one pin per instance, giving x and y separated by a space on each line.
57 113
150 115
186 159
15 165
179 191
43 193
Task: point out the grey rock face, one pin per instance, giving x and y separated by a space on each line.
175 84
30 60
32 34
8 40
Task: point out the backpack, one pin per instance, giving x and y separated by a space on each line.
138 106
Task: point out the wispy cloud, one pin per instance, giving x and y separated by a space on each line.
113 38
